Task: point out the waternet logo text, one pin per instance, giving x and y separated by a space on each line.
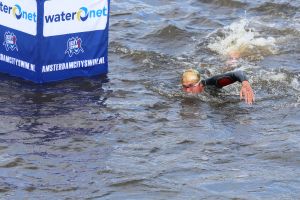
82 15
17 12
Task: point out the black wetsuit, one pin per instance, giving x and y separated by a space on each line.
222 80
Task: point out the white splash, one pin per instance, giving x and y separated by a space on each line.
242 41
273 76
295 84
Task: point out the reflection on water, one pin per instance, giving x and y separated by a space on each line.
135 135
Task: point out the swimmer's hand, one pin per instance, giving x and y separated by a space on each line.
247 93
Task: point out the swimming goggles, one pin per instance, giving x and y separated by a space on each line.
191 85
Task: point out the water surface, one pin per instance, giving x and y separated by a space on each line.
133 134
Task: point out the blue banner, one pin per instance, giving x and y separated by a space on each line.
53 40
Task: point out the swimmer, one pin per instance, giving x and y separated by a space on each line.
192 83
233 58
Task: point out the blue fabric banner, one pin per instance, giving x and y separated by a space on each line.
52 40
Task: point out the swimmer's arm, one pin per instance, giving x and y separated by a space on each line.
228 78
246 90
240 76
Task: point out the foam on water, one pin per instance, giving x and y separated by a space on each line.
238 37
273 76
296 84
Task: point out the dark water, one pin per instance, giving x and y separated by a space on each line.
135 135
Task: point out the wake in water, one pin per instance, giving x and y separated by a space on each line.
239 39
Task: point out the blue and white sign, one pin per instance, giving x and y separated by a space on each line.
49 40
64 17
19 15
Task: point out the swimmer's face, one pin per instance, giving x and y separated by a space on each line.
234 54
193 87
191 82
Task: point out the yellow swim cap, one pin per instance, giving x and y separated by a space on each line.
190 76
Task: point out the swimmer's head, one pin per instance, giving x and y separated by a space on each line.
191 81
234 54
